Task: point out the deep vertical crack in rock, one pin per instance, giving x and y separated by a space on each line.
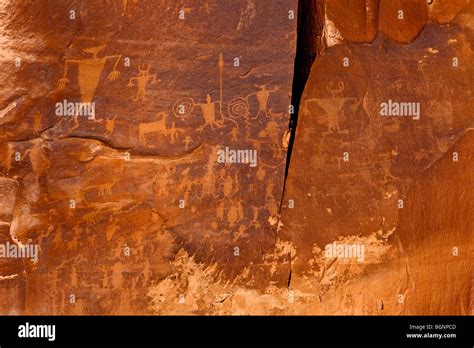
308 46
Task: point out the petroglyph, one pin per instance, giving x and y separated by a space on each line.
209 113
138 183
262 95
152 127
89 72
142 79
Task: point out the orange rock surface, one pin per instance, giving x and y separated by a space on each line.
117 124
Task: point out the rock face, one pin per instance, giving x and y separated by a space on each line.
378 185
117 193
143 157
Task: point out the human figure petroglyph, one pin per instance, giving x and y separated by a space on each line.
109 126
163 181
235 212
254 222
247 15
232 210
163 185
228 184
184 107
209 108
220 210
385 165
187 142
142 80
261 172
89 72
7 161
37 118
269 190
209 113
38 157
229 207
173 132
208 181
185 184
262 96
234 135
272 132
239 108
333 106
124 6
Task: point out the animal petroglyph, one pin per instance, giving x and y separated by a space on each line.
105 189
159 127
152 127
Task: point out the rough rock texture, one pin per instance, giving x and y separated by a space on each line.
132 211
400 20
399 185
115 202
